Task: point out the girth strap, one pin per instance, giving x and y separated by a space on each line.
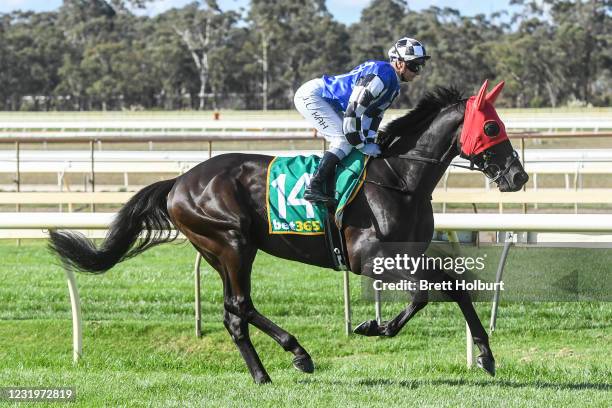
334 237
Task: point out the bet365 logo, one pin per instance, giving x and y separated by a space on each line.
297 226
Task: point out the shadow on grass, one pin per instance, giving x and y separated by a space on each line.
413 384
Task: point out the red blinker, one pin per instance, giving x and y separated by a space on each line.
478 110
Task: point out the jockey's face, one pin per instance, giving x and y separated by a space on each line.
402 70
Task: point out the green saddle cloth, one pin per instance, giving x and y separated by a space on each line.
289 212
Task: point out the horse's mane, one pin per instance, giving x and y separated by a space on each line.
414 123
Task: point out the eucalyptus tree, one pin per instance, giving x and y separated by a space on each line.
5 58
381 23
587 26
203 28
459 47
85 25
572 54
104 64
527 62
295 41
31 54
173 73
94 54
264 26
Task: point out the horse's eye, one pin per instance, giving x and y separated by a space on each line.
491 128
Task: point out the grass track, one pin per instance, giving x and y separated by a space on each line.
140 350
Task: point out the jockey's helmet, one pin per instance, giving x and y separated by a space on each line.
408 49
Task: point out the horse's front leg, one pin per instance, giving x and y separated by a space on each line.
392 327
485 360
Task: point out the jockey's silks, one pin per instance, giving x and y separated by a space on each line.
362 95
340 87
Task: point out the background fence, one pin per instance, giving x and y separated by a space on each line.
48 155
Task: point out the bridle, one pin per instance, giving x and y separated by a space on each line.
491 170
413 157
496 173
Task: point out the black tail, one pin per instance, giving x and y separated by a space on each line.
145 211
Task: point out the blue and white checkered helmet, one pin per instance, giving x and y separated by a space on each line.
407 49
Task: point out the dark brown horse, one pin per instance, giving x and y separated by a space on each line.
220 206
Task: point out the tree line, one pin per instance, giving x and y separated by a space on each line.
99 55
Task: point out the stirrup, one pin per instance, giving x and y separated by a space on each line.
318 197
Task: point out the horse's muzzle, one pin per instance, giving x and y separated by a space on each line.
514 180
520 179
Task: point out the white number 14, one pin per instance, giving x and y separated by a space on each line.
292 199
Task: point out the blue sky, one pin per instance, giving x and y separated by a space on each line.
346 11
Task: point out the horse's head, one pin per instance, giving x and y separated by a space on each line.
485 144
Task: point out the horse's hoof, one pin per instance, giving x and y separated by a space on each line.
304 364
367 328
487 364
262 379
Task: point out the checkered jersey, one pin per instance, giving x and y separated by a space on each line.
363 94
367 104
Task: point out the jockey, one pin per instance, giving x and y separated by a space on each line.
347 109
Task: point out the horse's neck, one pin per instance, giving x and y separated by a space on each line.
435 142
422 176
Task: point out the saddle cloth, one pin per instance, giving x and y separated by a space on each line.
288 212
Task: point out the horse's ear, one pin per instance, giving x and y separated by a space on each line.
480 98
492 96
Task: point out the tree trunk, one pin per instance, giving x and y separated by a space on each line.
202 65
201 94
213 90
264 84
552 96
203 79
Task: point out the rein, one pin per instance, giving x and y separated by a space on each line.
491 171
413 157
493 175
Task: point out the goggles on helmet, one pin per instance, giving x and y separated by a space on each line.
415 66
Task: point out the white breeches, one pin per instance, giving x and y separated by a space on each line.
322 116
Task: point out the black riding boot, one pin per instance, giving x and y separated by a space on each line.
327 168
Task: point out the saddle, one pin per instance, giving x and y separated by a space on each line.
288 211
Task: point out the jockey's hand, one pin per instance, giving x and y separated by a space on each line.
370 149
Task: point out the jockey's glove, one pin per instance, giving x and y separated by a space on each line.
370 149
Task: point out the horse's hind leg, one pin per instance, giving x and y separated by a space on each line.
238 329
216 222
287 341
235 271
238 303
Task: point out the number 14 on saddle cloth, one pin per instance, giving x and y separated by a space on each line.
289 212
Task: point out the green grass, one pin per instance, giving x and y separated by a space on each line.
140 348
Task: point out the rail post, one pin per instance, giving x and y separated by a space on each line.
453 239
77 324
347 303
498 279
93 172
198 302
18 177
523 161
